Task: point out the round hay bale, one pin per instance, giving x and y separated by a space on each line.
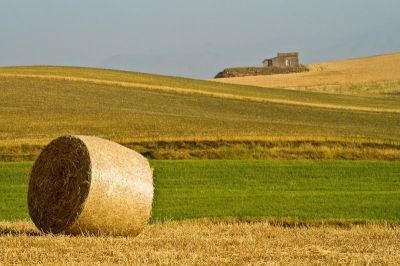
83 184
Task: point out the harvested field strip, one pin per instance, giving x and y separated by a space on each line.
253 149
241 148
207 93
377 89
339 192
206 243
236 138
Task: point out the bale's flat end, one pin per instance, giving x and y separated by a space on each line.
59 184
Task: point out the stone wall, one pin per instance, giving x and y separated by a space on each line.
257 71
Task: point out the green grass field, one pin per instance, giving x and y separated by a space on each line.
296 190
129 107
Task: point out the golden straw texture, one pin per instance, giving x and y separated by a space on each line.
83 184
206 243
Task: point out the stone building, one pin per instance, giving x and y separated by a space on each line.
283 60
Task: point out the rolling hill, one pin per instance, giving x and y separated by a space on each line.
171 117
375 74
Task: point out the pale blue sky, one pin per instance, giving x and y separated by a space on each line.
192 38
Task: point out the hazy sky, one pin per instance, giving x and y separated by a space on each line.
192 38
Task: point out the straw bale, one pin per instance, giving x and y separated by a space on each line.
84 184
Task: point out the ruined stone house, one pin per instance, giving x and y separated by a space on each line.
283 60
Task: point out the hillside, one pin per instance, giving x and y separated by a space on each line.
375 74
170 117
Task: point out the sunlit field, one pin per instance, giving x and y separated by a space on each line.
305 173
376 75
38 104
206 242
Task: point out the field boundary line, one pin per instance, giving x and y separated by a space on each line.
205 93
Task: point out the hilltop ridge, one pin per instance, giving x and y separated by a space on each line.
377 74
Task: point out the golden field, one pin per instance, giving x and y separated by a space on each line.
145 112
201 242
170 118
381 71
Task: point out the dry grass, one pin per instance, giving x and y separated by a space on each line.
354 71
223 95
41 103
206 243
239 147
381 88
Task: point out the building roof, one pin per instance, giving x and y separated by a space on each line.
290 54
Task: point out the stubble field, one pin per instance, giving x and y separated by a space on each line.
206 243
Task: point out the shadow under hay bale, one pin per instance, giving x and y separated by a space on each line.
83 184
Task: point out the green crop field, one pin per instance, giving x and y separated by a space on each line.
144 111
294 190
